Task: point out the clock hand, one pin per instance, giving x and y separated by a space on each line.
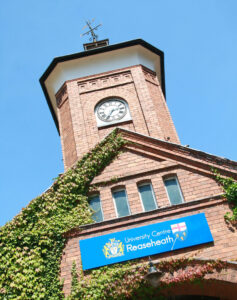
110 113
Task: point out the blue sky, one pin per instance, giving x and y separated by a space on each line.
200 45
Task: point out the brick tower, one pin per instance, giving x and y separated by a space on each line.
92 92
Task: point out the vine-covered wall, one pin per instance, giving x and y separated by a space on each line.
31 244
230 188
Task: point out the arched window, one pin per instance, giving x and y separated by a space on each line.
112 110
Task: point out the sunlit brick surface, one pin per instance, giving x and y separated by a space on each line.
137 85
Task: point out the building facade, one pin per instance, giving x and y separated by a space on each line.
155 180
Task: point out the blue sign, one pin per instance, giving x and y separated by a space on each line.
145 240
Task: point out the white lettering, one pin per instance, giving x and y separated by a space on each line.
152 243
158 233
137 238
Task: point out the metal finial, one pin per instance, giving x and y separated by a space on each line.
91 31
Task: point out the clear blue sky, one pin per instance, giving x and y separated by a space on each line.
200 44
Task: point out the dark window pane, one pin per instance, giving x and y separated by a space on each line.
147 197
94 203
173 191
121 203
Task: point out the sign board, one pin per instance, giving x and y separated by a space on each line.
144 241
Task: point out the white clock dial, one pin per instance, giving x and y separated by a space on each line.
111 110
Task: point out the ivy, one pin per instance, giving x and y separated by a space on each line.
111 282
126 281
31 244
74 284
230 193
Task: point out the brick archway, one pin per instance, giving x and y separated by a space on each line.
215 289
207 289
221 284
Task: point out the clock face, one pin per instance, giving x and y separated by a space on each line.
111 110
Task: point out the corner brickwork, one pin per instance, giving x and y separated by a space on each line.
66 129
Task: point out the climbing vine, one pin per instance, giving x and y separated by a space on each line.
126 281
31 244
230 193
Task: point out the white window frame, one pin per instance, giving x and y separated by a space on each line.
101 207
147 183
176 178
118 190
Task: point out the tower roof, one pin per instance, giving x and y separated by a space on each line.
99 60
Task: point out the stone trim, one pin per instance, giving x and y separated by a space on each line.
113 125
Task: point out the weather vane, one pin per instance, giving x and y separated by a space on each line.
91 31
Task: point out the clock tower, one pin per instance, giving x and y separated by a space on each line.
92 92
157 197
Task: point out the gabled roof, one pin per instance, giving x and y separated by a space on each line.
185 156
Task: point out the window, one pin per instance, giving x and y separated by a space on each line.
147 196
94 202
121 203
173 190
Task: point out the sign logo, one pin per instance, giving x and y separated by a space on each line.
180 232
114 248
